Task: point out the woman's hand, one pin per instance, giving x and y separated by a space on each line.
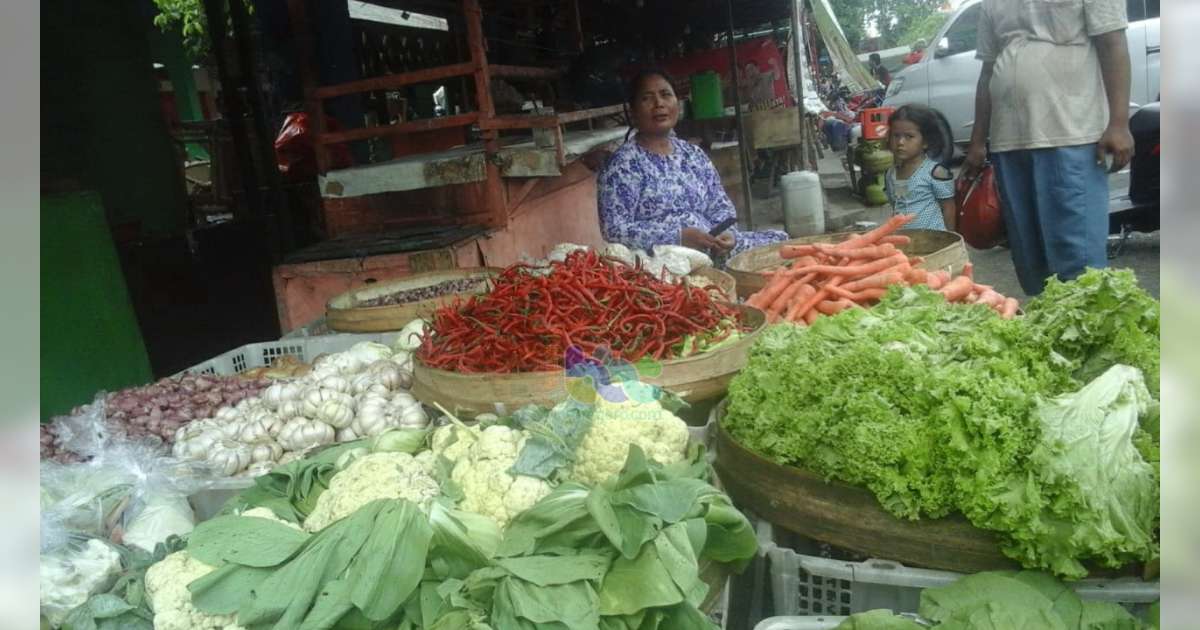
699 239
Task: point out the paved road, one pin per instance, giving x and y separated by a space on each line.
1141 253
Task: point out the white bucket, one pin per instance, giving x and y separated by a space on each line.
803 204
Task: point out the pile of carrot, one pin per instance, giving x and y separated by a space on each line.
826 278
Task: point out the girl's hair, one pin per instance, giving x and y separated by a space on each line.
635 84
929 122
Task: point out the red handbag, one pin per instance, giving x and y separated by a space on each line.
977 201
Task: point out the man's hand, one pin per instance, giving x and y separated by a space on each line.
1118 142
976 157
699 239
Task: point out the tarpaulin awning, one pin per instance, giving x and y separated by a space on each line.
852 73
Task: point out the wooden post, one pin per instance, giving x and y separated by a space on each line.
798 48
746 218
576 24
302 35
495 195
276 209
234 111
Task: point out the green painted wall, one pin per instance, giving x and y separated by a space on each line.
90 338
101 122
166 47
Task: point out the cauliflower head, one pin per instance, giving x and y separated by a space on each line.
372 477
617 426
262 512
69 578
452 441
167 590
482 471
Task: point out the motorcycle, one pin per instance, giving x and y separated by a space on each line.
1138 211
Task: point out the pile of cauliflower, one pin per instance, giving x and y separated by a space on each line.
346 396
479 461
167 589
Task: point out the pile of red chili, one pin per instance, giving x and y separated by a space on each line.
529 319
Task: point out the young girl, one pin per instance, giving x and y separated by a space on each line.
916 184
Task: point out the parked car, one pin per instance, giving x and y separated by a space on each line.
946 78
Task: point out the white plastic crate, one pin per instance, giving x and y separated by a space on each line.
256 355
808 585
799 623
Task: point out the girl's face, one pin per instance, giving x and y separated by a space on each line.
906 140
655 108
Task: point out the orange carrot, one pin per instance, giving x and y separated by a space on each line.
868 295
842 293
870 251
991 298
768 293
833 307
802 249
916 276
896 239
785 298
855 271
916 260
968 270
958 289
872 237
1009 310
811 317
935 281
881 280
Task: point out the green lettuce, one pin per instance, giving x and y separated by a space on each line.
940 408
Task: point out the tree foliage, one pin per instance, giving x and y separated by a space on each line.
188 17
895 20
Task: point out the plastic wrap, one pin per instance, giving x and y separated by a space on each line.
128 485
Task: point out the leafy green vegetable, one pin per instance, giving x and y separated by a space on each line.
244 540
1098 320
878 620
291 490
554 437
936 409
1007 599
125 604
400 441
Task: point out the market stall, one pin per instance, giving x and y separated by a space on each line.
523 436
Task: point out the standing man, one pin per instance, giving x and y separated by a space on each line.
1053 102
878 71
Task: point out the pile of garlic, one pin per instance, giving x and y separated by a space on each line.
346 396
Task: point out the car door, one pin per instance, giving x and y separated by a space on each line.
954 71
1153 47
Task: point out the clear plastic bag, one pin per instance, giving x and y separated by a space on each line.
126 484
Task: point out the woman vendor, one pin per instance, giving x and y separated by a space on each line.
657 189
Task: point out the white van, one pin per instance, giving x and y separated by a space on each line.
946 76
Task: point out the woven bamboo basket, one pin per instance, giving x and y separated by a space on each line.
344 314
940 249
697 378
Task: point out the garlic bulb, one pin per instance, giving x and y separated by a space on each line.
336 383
301 433
231 430
336 413
280 392
386 373
195 445
369 352
407 412
290 409
361 383
254 431
226 414
346 434
372 417
265 452
258 469
228 457
410 336
315 397
405 362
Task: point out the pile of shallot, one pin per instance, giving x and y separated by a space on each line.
51 446
160 409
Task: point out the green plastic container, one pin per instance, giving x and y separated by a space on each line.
90 335
707 100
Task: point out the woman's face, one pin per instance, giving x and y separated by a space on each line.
655 108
